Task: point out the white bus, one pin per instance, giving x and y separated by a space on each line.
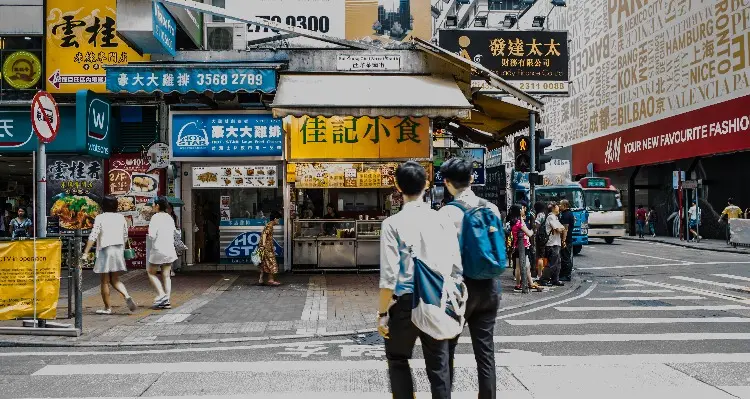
606 216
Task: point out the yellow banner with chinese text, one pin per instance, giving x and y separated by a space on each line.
17 278
81 39
363 137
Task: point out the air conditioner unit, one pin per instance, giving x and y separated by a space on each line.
225 36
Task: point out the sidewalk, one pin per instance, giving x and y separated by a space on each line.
211 307
704 244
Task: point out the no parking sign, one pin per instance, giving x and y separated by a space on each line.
45 117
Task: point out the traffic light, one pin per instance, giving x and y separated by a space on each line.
522 154
541 144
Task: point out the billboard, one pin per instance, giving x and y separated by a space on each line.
533 61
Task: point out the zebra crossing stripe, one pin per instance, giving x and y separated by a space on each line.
646 308
647 298
629 320
732 277
709 282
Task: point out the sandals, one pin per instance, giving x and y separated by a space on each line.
273 284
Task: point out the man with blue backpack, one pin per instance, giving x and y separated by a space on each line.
479 230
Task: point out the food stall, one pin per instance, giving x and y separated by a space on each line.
342 185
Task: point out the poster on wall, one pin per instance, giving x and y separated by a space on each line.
494 187
474 155
81 39
235 177
75 188
347 175
134 186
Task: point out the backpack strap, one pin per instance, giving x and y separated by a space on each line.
463 206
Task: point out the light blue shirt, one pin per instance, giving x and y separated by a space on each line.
420 229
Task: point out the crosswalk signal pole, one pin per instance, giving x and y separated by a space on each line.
532 158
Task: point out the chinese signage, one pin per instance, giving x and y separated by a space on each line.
223 135
347 175
75 187
165 28
716 129
353 62
134 186
533 61
20 276
235 177
347 137
494 187
22 70
94 120
473 155
184 80
17 135
81 39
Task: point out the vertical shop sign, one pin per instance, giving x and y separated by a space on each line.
165 28
75 188
94 119
81 39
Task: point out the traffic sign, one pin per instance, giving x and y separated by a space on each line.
45 117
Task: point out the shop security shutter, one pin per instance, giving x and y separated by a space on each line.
138 128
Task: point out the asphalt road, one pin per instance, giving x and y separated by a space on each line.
648 320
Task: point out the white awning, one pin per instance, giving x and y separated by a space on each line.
369 95
491 77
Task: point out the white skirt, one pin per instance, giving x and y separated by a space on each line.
110 259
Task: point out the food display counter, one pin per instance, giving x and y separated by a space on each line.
336 244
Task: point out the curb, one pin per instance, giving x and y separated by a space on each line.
680 244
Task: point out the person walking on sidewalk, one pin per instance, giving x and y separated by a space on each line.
640 221
520 243
483 301
268 263
162 253
652 218
694 220
732 211
554 230
568 220
432 241
110 234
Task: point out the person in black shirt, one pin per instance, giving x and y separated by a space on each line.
568 220
329 228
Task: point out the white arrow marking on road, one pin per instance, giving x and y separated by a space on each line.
647 298
692 290
629 320
638 291
654 257
708 282
729 276
549 305
662 265
646 308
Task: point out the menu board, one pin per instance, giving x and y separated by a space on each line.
348 175
133 187
75 187
235 177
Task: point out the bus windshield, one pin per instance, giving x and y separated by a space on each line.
573 195
602 200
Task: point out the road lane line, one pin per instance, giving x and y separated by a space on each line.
628 320
663 265
653 257
709 282
549 305
627 285
732 277
638 291
692 290
646 308
647 298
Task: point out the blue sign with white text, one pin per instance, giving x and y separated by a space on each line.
17 135
198 78
222 135
242 246
94 120
164 27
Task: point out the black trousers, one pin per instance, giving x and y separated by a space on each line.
552 271
566 261
398 350
481 311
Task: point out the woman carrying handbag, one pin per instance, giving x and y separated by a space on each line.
110 233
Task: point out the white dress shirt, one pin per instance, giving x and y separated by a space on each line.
431 238
109 229
553 223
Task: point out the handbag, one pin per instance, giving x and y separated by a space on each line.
256 256
179 245
129 252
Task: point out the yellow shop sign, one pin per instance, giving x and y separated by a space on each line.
17 278
22 70
348 137
81 39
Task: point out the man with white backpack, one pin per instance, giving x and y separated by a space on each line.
421 293
478 226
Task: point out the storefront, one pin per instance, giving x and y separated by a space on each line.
231 173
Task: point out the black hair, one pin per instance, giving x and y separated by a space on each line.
458 171
539 207
640 206
275 215
109 204
411 178
162 203
514 214
730 201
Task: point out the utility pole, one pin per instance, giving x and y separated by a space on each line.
532 163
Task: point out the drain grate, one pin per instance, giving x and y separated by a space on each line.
372 338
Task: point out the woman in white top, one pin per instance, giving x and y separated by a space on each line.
161 233
110 233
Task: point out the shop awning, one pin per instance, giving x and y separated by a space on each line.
500 116
491 77
369 95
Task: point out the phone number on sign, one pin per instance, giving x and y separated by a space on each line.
223 79
543 86
316 24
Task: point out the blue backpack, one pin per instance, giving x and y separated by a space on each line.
482 242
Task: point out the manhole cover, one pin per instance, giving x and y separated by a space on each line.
372 338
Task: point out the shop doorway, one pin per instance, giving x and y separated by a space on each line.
207 220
